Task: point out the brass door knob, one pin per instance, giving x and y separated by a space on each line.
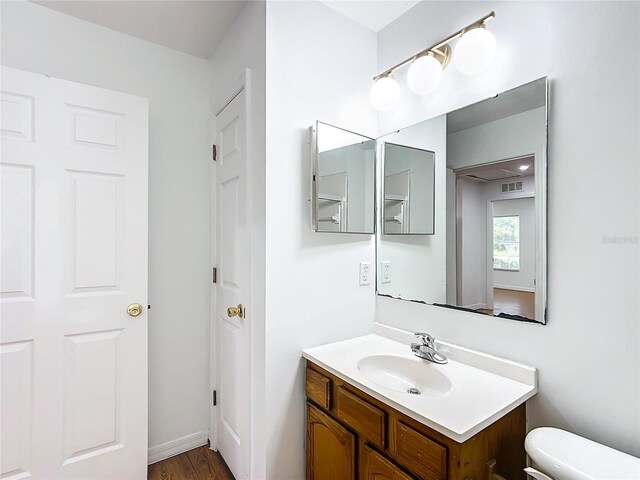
134 309
236 311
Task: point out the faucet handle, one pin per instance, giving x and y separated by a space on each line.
426 338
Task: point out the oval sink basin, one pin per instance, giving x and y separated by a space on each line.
402 374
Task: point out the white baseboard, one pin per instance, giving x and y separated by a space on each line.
518 289
176 447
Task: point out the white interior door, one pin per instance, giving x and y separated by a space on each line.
233 328
74 256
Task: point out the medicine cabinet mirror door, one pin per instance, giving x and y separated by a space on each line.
486 252
343 181
408 186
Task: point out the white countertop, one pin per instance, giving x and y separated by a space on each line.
484 387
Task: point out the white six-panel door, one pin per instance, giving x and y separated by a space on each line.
74 256
233 332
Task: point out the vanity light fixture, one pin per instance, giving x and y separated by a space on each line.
385 93
524 167
473 53
425 74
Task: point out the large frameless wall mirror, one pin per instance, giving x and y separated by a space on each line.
486 250
343 180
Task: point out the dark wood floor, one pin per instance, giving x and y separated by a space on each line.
197 464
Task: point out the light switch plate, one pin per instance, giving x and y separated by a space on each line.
365 273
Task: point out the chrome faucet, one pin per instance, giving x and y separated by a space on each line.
427 349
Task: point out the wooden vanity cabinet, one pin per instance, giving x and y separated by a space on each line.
353 436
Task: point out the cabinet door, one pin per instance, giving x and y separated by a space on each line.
331 448
374 466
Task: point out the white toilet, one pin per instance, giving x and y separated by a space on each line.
560 455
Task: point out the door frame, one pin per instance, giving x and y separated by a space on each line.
541 245
242 83
539 152
489 243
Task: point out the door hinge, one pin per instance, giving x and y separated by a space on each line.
214 275
215 398
214 152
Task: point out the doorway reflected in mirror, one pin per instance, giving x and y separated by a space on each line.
496 222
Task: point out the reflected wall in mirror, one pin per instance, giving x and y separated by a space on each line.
487 253
343 190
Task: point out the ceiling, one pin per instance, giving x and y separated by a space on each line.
518 100
373 14
500 171
193 27
197 27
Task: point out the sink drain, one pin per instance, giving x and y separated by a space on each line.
413 391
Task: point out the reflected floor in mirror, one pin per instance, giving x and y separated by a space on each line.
512 302
198 464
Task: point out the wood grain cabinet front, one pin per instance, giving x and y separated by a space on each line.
353 436
331 448
365 418
318 389
419 453
374 466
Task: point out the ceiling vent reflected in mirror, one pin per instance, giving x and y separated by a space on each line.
511 187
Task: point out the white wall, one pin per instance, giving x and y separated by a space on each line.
319 67
472 231
513 136
41 40
244 47
418 262
588 354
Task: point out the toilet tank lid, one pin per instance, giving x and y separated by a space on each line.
563 455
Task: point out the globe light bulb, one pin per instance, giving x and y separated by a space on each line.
424 75
384 94
474 51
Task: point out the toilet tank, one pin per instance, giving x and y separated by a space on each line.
564 456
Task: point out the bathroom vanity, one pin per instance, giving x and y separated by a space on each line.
462 420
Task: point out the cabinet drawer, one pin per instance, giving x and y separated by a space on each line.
318 388
366 419
420 454
374 466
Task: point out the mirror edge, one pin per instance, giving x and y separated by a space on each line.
541 187
313 130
